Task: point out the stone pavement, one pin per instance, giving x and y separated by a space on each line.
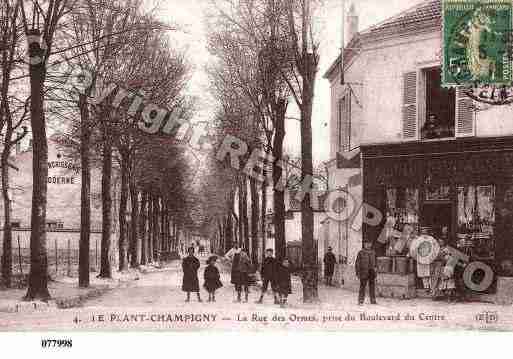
66 293
156 302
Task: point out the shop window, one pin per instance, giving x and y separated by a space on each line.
476 220
438 193
402 210
438 117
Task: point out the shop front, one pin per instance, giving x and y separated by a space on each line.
459 191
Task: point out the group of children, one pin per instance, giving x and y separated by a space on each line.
273 272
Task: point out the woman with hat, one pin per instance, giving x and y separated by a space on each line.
190 266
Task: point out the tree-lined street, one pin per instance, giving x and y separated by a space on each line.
156 302
113 83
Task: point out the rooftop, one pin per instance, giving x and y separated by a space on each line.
425 14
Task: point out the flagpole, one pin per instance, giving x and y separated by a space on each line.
342 80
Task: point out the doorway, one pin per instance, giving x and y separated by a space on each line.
436 216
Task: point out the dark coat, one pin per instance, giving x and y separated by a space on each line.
190 266
329 264
283 280
269 269
212 278
365 264
241 266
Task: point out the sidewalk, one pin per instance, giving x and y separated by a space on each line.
66 293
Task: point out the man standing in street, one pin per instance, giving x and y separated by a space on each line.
365 266
329 266
268 274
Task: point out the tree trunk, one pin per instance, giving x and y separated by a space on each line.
122 243
163 226
254 217
228 244
7 240
263 209
175 236
242 239
38 276
85 196
310 275
150 228
156 235
143 216
105 266
134 224
244 215
278 193
220 244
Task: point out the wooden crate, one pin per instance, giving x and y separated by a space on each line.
394 285
396 279
396 291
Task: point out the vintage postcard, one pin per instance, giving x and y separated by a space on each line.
239 165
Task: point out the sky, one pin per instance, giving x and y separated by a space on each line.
189 13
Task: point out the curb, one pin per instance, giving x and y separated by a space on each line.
26 307
78 300
74 301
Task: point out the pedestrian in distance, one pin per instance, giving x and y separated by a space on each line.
329 266
212 278
241 266
269 273
366 271
284 281
190 266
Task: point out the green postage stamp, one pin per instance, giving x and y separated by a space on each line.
477 42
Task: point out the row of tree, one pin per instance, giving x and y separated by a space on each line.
94 44
266 58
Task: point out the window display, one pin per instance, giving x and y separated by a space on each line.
476 220
402 209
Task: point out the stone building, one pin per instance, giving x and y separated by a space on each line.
459 181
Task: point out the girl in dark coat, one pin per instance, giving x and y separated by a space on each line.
190 266
284 281
212 279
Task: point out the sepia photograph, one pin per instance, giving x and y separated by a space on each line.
318 166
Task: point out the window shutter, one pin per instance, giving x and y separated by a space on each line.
410 106
465 124
344 120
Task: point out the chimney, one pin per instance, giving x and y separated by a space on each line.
352 23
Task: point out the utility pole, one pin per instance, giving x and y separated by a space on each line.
342 44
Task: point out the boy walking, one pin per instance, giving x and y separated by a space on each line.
268 273
366 271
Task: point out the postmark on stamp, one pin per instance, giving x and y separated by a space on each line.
476 42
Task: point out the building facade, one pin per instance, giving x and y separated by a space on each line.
63 197
430 156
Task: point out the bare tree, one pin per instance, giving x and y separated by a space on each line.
13 114
305 62
41 31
